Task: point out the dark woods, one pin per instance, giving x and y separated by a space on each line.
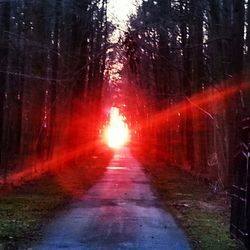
186 64
194 61
52 61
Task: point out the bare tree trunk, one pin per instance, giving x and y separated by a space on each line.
4 78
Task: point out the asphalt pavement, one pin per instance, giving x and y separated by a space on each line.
119 212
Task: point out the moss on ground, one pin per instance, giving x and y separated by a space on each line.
202 214
25 210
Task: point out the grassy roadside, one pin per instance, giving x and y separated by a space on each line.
202 214
26 209
22 211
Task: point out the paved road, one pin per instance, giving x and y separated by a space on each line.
119 212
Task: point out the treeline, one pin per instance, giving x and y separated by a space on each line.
52 59
192 59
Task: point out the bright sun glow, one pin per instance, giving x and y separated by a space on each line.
117 133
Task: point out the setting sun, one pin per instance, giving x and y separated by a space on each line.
117 133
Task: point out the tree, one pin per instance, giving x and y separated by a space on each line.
50 75
186 57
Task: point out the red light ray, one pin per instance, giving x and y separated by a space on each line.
77 135
63 156
198 100
173 148
74 145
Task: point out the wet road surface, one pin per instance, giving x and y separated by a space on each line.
119 212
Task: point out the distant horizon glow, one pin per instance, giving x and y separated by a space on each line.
119 12
117 133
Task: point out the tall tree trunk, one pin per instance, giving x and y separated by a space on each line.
4 53
237 68
187 85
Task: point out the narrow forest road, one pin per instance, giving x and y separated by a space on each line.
119 212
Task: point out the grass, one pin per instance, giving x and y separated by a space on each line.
202 214
25 210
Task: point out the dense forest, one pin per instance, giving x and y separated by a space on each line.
181 68
51 72
173 82
189 61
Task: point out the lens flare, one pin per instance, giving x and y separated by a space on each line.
117 133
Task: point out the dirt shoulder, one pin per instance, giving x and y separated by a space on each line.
26 209
203 214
